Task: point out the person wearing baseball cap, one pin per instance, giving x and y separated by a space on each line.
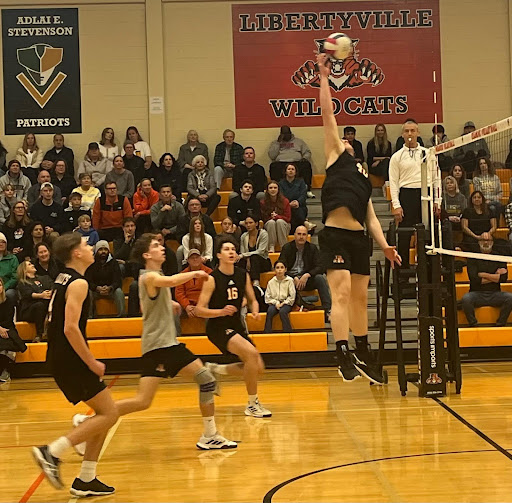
8 266
49 212
467 155
95 165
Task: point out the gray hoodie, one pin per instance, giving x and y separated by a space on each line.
290 151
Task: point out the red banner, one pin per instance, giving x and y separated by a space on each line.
394 72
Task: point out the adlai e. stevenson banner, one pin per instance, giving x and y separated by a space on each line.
394 73
41 71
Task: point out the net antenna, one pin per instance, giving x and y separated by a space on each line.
497 136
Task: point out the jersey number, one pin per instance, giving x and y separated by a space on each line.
233 293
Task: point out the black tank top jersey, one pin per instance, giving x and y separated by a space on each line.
60 352
229 290
346 184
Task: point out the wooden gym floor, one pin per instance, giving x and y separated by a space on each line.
327 441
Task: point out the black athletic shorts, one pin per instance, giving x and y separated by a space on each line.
79 384
220 330
166 362
344 249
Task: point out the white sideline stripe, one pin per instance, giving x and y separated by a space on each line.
108 438
463 254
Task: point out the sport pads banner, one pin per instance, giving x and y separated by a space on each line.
393 73
41 71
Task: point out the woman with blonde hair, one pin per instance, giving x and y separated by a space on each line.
199 240
201 184
30 157
379 152
454 202
108 147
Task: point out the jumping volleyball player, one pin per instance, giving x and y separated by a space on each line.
344 247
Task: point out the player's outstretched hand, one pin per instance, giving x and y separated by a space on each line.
201 274
229 310
98 368
324 65
392 255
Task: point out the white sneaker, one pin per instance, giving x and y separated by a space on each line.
77 420
271 249
212 367
256 282
5 376
257 410
309 225
311 195
215 442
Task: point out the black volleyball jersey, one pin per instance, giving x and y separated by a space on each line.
346 184
229 290
60 351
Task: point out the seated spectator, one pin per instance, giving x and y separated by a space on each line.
400 141
199 240
295 190
193 209
228 155
468 154
122 178
62 181
276 214
485 277
142 149
249 170
508 160
15 226
254 250
89 193
444 160
231 230
488 183
187 294
35 235
109 213
74 211
86 230
134 163
478 222
107 144
169 173
30 156
34 193
58 152
34 293
44 263
188 151
8 266
123 247
459 173
454 203
302 260
379 152
349 132
10 342
3 159
143 199
201 184
7 201
244 205
95 165
280 298
17 179
49 212
166 213
104 278
288 149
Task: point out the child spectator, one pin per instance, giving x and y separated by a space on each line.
280 297
74 211
87 231
7 201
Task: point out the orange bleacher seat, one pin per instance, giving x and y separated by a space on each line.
299 320
484 315
504 175
485 336
462 277
376 181
224 197
227 184
463 288
317 181
126 285
220 213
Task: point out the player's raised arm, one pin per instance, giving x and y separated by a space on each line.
203 311
158 281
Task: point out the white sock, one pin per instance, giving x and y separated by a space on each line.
210 427
58 447
221 369
88 471
253 399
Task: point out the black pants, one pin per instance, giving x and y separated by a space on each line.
258 265
382 169
143 225
111 234
304 170
410 200
298 217
35 313
211 203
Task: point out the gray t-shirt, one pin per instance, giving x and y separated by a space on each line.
158 328
298 267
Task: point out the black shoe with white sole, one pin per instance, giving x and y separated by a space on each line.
367 366
95 487
346 368
49 465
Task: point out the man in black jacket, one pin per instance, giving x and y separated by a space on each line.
193 209
302 260
123 248
60 151
250 170
49 212
134 163
244 205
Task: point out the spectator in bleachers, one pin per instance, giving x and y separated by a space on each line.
33 236
478 222
107 144
486 181
143 199
3 159
34 293
169 173
123 247
508 218
454 203
7 201
49 212
44 263
109 213
188 151
193 209
74 211
254 250
122 177
187 294
62 181
197 238
276 214
508 160
302 261
15 227
17 179
249 170
89 193
104 278
95 165
280 298
228 155
349 132
142 149
34 193
244 205
445 160
86 230
166 213
400 141
290 149
201 184
468 154
8 266
134 163
60 151
30 156
485 277
379 152
459 173
231 230
295 190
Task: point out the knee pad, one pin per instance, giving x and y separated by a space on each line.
207 385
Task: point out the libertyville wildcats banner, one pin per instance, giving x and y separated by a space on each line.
41 71
393 73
